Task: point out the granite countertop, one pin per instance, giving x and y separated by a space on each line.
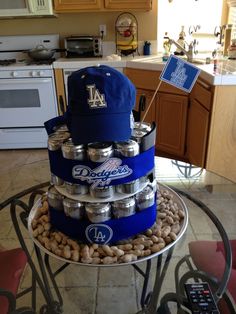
225 73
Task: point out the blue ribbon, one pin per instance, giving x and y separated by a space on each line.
110 231
140 165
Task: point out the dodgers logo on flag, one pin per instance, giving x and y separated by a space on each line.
180 73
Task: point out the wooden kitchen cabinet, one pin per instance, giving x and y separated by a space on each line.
60 88
199 113
77 5
197 133
171 119
128 4
150 117
68 6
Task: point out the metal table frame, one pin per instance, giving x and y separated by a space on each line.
149 300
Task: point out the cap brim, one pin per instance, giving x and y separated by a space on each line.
100 128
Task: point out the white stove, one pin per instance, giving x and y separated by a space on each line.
27 92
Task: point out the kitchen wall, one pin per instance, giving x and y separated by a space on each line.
81 23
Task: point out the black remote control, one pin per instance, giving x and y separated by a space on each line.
200 298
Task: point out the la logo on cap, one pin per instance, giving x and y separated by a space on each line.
96 100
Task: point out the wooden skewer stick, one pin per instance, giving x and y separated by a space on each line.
153 97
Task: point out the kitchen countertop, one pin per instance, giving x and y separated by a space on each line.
225 73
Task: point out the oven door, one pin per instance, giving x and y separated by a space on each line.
26 102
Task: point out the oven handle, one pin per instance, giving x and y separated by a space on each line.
61 104
20 80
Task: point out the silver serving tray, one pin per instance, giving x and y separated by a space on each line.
184 224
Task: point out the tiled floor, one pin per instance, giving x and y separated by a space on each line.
88 290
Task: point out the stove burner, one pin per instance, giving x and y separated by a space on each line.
40 62
7 62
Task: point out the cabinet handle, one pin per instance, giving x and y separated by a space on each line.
203 84
61 104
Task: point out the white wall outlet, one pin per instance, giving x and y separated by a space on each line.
103 30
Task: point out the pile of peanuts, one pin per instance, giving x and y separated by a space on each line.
163 232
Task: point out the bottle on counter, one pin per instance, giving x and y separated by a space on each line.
166 47
181 42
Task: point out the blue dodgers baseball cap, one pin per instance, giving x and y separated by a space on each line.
100 103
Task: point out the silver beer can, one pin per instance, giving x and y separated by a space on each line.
55 199
100 152
98 212
102 192
137 135
124 208
143 126
71 151
128 148
74 188
73 208
55 140
145 198
56 180
128 188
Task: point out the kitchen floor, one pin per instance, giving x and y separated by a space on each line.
87 290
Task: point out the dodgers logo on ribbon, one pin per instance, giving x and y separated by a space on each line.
110 170
98 233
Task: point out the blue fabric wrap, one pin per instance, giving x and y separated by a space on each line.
140 165
54 122
122 228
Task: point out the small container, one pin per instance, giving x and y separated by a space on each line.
137 135
128 188
71 151
124 208
56 180
143 126
145 198
55 140
55 199
74 188
99 152
128 148
98 212
73 208
102 192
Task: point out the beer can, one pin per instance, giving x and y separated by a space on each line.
55 199
56 180
145 198
128 148
137 135
98 212
55 140
99 152
128 188
143 126
74 188
124 208
102 192
74 209
61 128
71 151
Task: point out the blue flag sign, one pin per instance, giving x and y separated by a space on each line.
180 73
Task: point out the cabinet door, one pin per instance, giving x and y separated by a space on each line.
77 5
128 4
171 118
60 91
150 117
197 133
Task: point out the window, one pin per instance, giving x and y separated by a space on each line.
190 14
232 20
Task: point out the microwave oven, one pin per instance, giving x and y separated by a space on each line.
26 8
83 46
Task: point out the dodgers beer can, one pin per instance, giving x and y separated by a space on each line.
102 192
145 198
73 188
124 208
71 151
73 208
100 152
128 188
98 212
128 148
55 199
